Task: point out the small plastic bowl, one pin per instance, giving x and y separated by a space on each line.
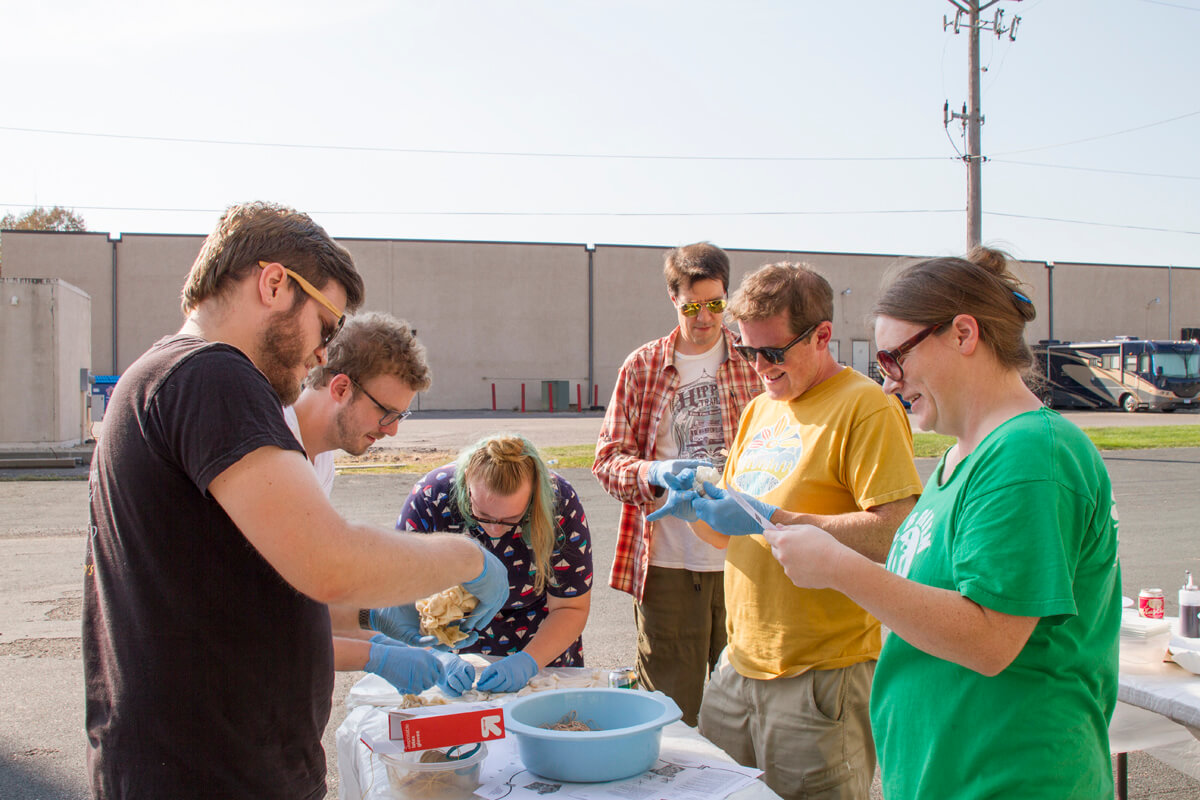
626 741
454 779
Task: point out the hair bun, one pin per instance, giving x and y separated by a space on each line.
994 261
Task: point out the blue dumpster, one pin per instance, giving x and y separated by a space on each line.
102 387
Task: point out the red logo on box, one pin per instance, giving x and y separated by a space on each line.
446 730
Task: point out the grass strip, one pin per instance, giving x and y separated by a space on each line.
925 445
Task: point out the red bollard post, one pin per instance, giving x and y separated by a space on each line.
550 395
493 396
579 396
596 394
522 398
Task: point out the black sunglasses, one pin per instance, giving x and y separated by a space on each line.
389 415
773 355
890 361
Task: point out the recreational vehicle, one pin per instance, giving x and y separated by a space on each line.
1125 372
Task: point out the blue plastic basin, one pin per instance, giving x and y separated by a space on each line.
630 726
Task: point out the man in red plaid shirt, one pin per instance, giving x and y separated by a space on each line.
676 404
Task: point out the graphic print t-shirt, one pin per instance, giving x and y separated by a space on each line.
691 428
1024 525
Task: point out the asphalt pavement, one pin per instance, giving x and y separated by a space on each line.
42 540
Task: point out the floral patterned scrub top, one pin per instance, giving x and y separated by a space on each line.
430 508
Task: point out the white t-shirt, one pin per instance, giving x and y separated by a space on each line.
691 428
323 463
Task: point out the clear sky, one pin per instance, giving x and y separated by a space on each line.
792 125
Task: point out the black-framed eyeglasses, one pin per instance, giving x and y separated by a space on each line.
316 294
891 361
389 415
509 526
692 309
773 355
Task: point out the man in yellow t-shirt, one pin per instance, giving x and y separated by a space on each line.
823 446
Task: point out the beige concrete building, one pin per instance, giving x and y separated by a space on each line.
45 356
496 316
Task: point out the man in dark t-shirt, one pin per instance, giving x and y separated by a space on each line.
212 551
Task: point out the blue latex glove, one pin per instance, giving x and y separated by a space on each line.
401 623
679 500
724 515
509 674
410 669
458 675
659 470
491 588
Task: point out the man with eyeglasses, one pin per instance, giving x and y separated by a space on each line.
212 551
822 445
362 392
675 405
336 411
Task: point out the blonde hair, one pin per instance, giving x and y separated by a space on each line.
502 462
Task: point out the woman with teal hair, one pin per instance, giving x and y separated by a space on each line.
500 492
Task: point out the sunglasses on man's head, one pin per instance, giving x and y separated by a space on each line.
327 331
890 361
773 355
692 309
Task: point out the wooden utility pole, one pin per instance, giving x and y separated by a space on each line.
972 115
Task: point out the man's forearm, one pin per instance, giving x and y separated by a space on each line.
378 569
867 532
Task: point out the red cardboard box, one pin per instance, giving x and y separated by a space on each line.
425 730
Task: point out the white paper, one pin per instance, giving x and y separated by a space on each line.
766 524
669 779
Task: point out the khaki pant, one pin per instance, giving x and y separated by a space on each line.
810 734
680 634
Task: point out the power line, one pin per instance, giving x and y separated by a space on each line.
1101 136
425 213
409 213
1094 224
1097 169
432 151
1171 5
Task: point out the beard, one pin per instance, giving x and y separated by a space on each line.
348 439
281 352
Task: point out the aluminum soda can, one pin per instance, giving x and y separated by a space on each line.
1151 604
623 678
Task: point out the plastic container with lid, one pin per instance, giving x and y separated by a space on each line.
1189 609
450 773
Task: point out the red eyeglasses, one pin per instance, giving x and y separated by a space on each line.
890 360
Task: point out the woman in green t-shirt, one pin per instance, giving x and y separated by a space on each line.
1002 587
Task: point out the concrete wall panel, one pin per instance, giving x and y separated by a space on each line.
44 343
513 313
502 313
1100 301
150 275
81 259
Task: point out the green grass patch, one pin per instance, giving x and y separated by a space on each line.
925 445
1144 438
574 456
931 445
